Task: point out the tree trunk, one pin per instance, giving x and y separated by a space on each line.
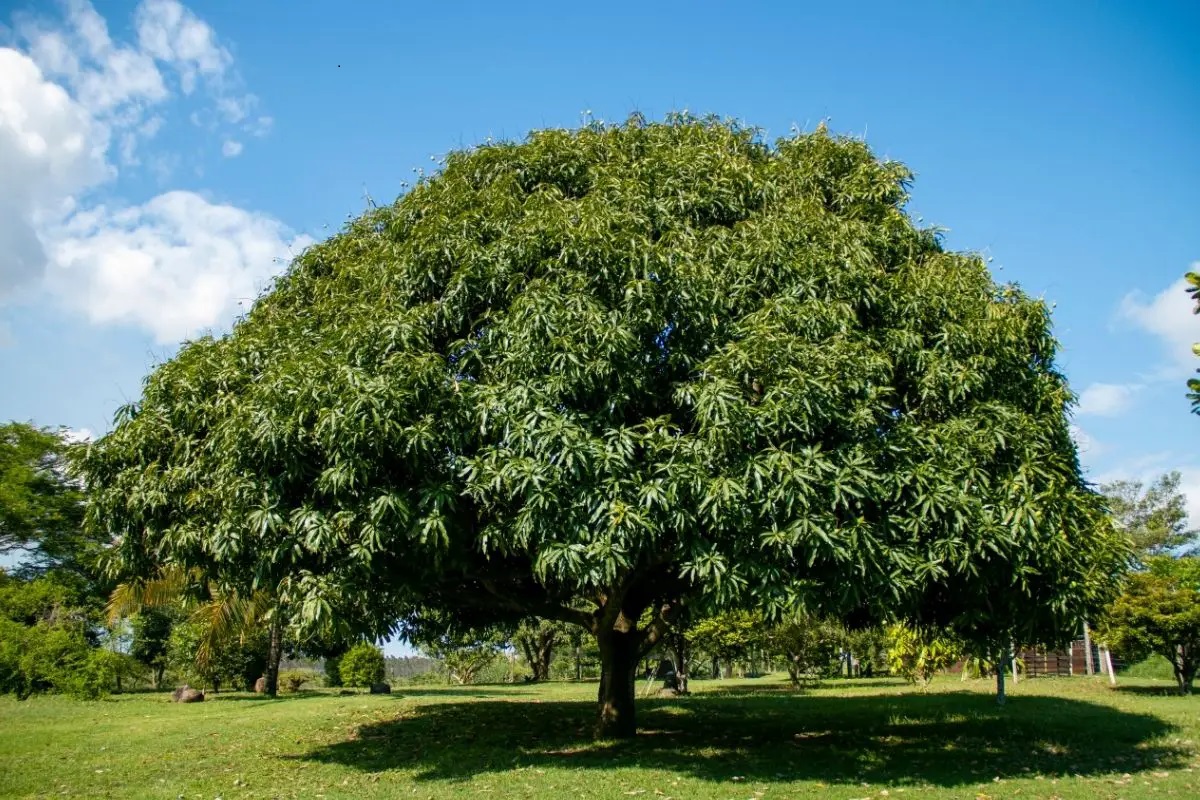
531 659
681 664
716 667
618 676
1000 695
1185 669
729 668
274 654
159 671
545 658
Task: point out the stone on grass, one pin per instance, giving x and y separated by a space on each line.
380 688
186 694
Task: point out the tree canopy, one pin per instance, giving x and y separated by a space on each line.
1155 517
41 503
598 373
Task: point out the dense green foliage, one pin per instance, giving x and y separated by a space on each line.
811 647
362 665
1159 612
49 638
41 504
918 655
235 661
729 636
598 374
150 645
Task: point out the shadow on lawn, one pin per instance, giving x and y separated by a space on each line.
942 739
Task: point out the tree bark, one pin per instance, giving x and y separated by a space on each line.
274 654
681 664
1001 697
545 655
618 675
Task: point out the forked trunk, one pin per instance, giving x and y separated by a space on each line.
618 676
274 654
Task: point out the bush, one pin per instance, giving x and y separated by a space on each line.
333 671
236 660
919 655
293 679
362 665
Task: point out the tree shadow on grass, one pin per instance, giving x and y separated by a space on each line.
1162 690
941 739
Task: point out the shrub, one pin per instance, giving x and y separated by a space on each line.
919 655
293 679
333 671
362 665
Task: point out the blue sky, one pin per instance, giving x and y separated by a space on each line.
160 162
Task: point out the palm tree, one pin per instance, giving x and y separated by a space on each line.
219 612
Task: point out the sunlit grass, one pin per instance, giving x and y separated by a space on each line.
731 739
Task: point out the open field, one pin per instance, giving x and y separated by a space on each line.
748 739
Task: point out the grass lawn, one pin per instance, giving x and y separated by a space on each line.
748 739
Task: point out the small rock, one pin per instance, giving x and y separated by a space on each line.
260 686
186 694
380 688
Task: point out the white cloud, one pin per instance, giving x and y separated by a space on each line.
1106 399
174 266
1085 443
51 149
74 103
104 78
76 435
174 35
1168 315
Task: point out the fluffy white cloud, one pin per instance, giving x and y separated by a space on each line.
174 266
1168 315
104 77
73 104
174 35
1106 399
50 149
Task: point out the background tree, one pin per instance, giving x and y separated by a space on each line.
463 653
599 375
49 639
1193 279
362 665
728 637
1159 612
918 655
1155 517
538 639
41 505
234 659
811 647
151 636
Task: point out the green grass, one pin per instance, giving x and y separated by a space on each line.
1066 738
1155 667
